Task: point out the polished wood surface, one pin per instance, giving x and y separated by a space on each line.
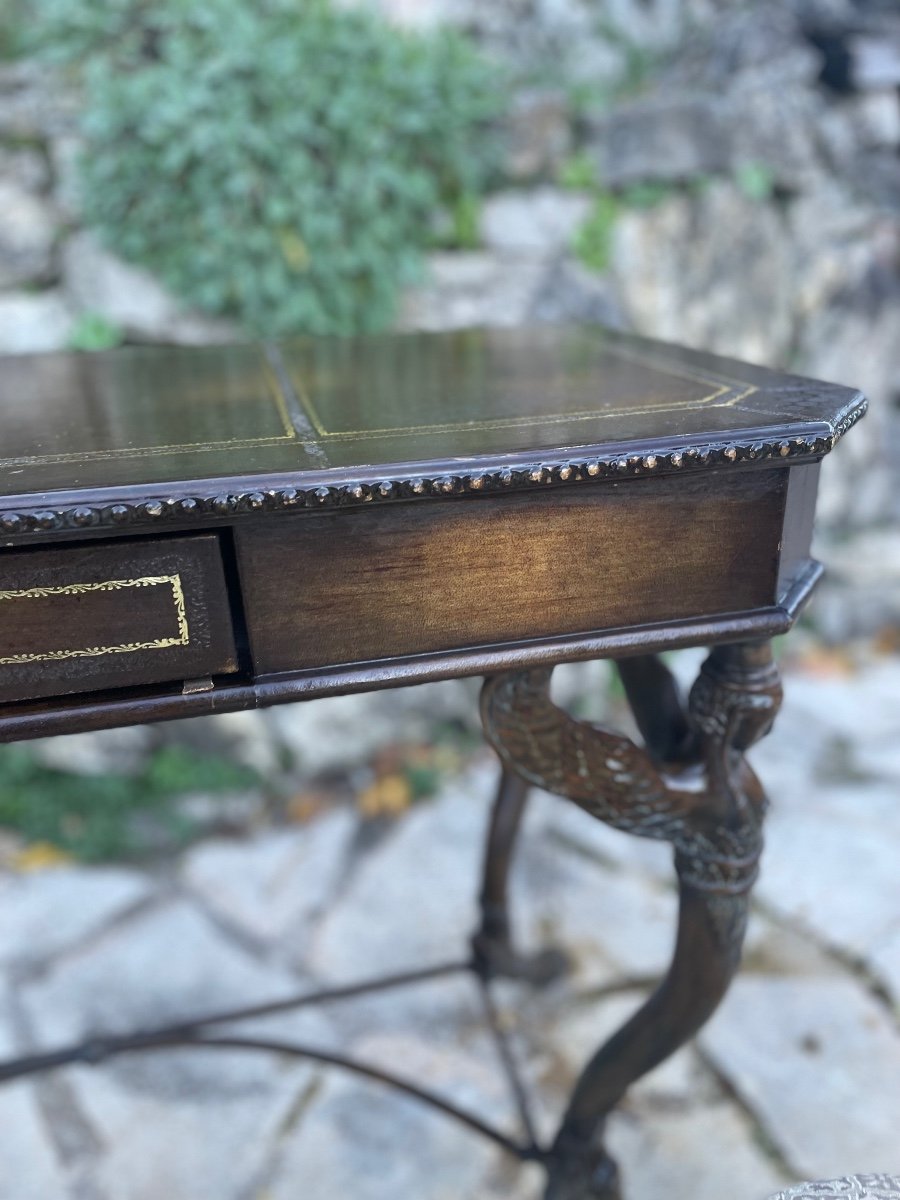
344 514
204 531
75 423
131 612
102 710
351 586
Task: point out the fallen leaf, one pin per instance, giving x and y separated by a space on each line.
304 806
826 662
388 796
887 640
40 856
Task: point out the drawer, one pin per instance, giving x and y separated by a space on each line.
112 614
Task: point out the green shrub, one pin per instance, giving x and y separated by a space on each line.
756 180
578 172
94 332
109 816
593 241
13 26
274 160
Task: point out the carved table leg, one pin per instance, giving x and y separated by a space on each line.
653 695
492 947
691 787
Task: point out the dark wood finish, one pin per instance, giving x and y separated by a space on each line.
658 712
708 804
352 587
143 415
800 511
481 500
40 719
497 499
365 513
494 952
81 618
163 438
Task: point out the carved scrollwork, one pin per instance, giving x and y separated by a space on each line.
604 772
708 803
179 507
710 808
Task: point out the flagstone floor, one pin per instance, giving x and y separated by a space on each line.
796 1076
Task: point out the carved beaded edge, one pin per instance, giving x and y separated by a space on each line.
157 511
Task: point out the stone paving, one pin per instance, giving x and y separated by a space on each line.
796 1077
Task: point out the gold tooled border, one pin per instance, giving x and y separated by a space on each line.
109 585
735 391
288 434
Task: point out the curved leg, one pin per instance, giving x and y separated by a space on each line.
653 695
705 800
706 956
492 947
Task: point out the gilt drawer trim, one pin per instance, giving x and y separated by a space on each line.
108 585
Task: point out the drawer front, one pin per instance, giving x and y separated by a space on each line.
114 614
427 578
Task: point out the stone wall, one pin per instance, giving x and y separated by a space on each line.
748 156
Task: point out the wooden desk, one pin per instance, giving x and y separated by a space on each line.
190 531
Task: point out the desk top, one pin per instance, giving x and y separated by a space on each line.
150 434
583 493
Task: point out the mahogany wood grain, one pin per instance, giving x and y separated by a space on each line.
332 516
427 578
381 510
104 710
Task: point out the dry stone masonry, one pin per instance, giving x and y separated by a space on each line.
744 161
